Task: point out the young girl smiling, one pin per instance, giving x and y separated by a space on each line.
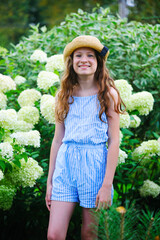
87 111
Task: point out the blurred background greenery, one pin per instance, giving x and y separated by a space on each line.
17 15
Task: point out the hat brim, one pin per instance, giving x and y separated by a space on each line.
84 41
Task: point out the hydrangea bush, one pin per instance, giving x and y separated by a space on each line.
21 123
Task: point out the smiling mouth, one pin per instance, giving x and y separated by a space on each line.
84 66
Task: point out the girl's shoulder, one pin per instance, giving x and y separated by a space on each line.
113 94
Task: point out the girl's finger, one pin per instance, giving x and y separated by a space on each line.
48 203
106 205
97 199
99 206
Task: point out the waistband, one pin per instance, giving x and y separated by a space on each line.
85 145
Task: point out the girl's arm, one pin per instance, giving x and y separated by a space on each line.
104 194
56 143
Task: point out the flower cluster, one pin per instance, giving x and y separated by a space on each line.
1 175
149 188
47 107
31 138
27 174
122 156
55 62
6 150
38 55
8 118
28 97
3 101
124 120
22 126
125 89
134 121
6 83
29 114
142 101
46 79
19 80
6 196
147 149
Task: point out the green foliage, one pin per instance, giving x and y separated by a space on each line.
145 11
13 22
129 224
131 174
134 51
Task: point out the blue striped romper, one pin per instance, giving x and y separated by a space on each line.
81 159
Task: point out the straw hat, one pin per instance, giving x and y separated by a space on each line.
85 41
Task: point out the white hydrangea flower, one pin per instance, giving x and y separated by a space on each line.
142 101
6 83
8 118
19 80
3 101
31 138
6 196
134 123
124 120
55 62
122 156
47 107
29 114
149 188
22 126
8 139
6 150
27 174
39 55
125 89
46 79
28 97
1 175
146 150
159 140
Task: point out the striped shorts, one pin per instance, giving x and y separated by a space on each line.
79 173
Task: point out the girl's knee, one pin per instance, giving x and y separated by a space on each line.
88 233
55 235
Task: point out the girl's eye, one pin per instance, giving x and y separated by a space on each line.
78 55
90 55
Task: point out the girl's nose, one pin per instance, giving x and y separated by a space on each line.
84 58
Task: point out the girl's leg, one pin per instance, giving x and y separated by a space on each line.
60 215
89 230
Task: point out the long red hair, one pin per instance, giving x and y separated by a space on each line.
70 80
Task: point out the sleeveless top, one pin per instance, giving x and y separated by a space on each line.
82 124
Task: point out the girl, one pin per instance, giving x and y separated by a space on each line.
87 111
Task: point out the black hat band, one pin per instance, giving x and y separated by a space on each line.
104 51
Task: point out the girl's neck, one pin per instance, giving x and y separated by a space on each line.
85 88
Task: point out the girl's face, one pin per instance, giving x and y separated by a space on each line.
84 61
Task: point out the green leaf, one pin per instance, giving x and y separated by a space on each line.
156 135
2 165
24 155
17 162
127 132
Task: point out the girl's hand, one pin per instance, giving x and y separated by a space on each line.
103 199
48 196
